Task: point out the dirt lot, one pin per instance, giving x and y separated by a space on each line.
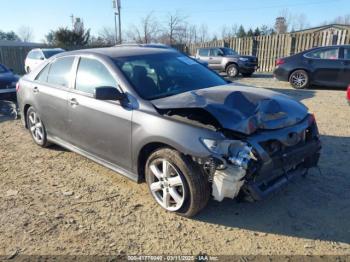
56 202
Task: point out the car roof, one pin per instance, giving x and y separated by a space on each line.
150 45
47 49
327 46
119 51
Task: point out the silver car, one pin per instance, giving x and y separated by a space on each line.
156 115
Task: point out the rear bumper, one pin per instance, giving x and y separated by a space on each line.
281 74
290 166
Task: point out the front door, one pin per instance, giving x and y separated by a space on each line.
101 128
326 66
215 58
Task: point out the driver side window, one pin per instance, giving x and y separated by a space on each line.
215 52
91 74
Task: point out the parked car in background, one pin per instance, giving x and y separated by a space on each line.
8 80
158 115
227 60
37 56
325 66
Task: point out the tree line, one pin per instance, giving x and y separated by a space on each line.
172 29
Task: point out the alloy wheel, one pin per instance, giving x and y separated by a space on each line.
232 71
36 127
166 184
299 79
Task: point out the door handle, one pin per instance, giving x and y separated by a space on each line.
210 58
35 89
73 102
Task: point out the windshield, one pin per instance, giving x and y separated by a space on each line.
161 75
49 53
229 51
3 69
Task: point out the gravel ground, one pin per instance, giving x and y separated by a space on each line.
55 202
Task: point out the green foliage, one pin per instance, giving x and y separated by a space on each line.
257 32
11 36
241 32
250 33
265 30
66 38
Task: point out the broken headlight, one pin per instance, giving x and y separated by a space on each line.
235 152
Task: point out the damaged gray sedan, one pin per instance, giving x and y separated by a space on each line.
158 116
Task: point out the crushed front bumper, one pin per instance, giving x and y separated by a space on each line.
289 166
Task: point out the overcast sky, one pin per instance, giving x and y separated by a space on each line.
44 15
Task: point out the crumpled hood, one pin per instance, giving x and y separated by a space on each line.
240 108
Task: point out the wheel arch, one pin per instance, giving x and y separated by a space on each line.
143 155
25 110
231 63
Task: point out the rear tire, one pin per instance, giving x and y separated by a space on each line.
182 188
232 70
299 79
36 128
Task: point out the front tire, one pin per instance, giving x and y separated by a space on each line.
176 183
299 79
36 128
232 70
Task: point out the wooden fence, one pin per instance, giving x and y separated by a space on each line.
269 48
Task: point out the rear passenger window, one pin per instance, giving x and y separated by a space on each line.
347 53
332 53
42 76
91 74
203 52
60 71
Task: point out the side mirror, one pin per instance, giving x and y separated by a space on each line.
11 70
108 93
220 54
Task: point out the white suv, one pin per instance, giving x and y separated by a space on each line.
37 56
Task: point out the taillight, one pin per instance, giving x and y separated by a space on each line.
348 93
17 86
280 61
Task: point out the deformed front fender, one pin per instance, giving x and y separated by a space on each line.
154 128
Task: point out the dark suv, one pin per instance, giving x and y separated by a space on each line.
158 115
227 60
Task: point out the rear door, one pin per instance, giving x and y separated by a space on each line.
203 55
50 91
101 128
326 66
